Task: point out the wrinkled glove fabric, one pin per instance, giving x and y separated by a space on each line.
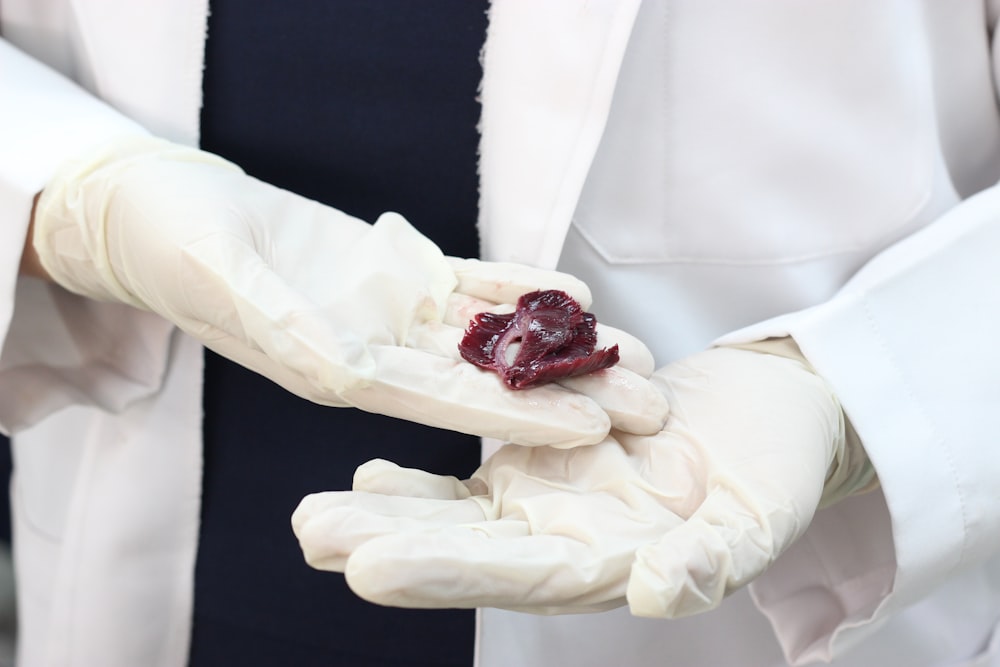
336 310
668 524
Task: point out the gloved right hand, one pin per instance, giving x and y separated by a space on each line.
669 524
338 311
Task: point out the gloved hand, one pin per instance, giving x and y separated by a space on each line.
668 523
333 309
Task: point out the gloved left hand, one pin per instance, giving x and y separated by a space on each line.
669 523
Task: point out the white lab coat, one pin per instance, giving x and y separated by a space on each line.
809 167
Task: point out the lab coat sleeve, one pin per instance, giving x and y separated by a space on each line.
59 349
909 346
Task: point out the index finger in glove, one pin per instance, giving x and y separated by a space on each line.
503 282
387 478
331 525
486 565
436 391
633 403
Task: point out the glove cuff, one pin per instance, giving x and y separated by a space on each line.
74 211
851 471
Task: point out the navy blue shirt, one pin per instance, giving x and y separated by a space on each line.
368 107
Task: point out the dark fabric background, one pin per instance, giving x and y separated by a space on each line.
6 466
367 106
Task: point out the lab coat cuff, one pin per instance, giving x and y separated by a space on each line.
909 348
59 349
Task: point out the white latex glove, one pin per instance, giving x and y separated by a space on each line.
333 309
668 523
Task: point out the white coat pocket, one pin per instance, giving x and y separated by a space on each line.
750 133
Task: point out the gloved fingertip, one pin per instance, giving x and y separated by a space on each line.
647 419
317 550
645 595
387 478
306 509
368 578
633 353
370 470
325 562
403 570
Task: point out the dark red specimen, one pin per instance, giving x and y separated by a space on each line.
557 340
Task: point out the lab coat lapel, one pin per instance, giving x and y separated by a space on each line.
549 71
146 59
549 76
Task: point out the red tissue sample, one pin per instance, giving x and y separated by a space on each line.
556 336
